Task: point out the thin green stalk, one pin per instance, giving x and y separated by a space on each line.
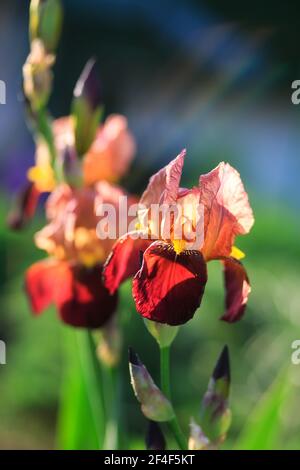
44 127
165 385
177 433
101 382
165 371
110 378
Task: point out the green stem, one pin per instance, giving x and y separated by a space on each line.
165 371
178 434
45 129
110 378
165 385
101 382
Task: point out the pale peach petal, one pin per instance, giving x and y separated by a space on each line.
73 216
163 187
226 208
191 221
111 153
58 200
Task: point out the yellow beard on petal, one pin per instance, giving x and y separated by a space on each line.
237 253
90 252
179 246
42 177
89 259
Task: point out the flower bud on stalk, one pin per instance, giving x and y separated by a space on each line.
155 406
163 333
45 22
69 167
37 76
155 439
215 413
86 107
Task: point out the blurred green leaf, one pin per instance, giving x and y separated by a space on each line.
76 425
263 426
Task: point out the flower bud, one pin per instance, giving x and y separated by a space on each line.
215 413
45 22
163 333
197 439
155 406
69 167
155 439
87 107
37 76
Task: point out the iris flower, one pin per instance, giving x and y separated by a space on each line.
71 277
169 280
108 158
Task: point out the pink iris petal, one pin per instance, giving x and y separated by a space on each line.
163 187
227 210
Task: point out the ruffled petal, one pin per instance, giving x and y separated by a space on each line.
168 288
237 288
124 261
227 211
163 187
111 153
78 293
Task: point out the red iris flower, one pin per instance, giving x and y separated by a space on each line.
71 277
169 283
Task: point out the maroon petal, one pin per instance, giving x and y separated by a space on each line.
41 282
84 301
80 297
25 207
169 287
237 287
124 261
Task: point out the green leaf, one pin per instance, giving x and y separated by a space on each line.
81 417
263 426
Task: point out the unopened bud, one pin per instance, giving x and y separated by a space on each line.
45 23
197 439
37 75
69 167
215 413
155 439
155 406
164 334
87 107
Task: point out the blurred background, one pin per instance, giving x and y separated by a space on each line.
214 77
